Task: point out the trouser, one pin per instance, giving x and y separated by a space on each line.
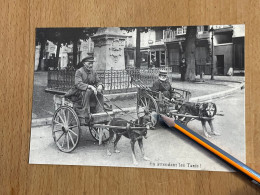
183 71
163 108
90 104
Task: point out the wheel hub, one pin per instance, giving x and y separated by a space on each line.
64 129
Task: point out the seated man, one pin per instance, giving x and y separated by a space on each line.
89 91
163 85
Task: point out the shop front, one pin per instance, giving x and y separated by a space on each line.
203 59
157 56
174 56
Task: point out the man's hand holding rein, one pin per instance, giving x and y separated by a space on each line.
93 88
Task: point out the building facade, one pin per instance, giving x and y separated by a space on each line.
229 48
159 49
165 48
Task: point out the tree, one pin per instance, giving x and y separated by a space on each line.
74 35
40 38
64 35
190 49
42 35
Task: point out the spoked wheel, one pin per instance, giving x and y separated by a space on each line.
148 103
95 131
65 128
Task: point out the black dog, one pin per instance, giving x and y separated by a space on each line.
207 109
133 135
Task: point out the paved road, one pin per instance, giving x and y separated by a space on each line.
164 148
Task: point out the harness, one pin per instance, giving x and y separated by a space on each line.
130 131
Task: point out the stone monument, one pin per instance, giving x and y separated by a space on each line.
109 44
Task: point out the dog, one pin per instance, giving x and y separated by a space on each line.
133 135
207 109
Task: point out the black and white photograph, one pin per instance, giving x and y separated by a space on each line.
98 92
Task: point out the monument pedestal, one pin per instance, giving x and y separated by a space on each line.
109 46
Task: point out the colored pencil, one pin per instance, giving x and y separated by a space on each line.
177 125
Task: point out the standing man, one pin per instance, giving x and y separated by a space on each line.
89 91
183 67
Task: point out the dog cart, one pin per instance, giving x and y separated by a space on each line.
156 102
180 108
66 127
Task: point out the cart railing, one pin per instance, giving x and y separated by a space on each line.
185 93
142 88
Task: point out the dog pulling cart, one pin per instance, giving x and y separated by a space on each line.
66 127
156 102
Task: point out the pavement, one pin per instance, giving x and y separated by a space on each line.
165 149
221 86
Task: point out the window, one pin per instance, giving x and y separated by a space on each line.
182 30
144 59
162 58
157 58
200 28
153 58
167 34
221 26
158 35
131 55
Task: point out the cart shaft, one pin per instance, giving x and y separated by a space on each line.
118 127
192 116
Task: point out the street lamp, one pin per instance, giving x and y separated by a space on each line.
212 51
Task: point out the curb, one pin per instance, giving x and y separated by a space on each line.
41 122
217 95
48 121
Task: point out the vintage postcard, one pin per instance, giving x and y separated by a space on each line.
97 91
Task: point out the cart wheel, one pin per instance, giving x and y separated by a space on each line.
147 102
94 131
65 128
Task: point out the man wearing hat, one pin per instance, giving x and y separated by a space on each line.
88 84
163 85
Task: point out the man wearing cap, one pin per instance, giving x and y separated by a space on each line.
163 85
88 83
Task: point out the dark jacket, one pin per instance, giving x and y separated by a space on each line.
183 66
164 87
83 78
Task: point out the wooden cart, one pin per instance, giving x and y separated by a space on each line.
156 102
66 127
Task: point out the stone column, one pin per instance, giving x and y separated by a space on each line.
109 44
